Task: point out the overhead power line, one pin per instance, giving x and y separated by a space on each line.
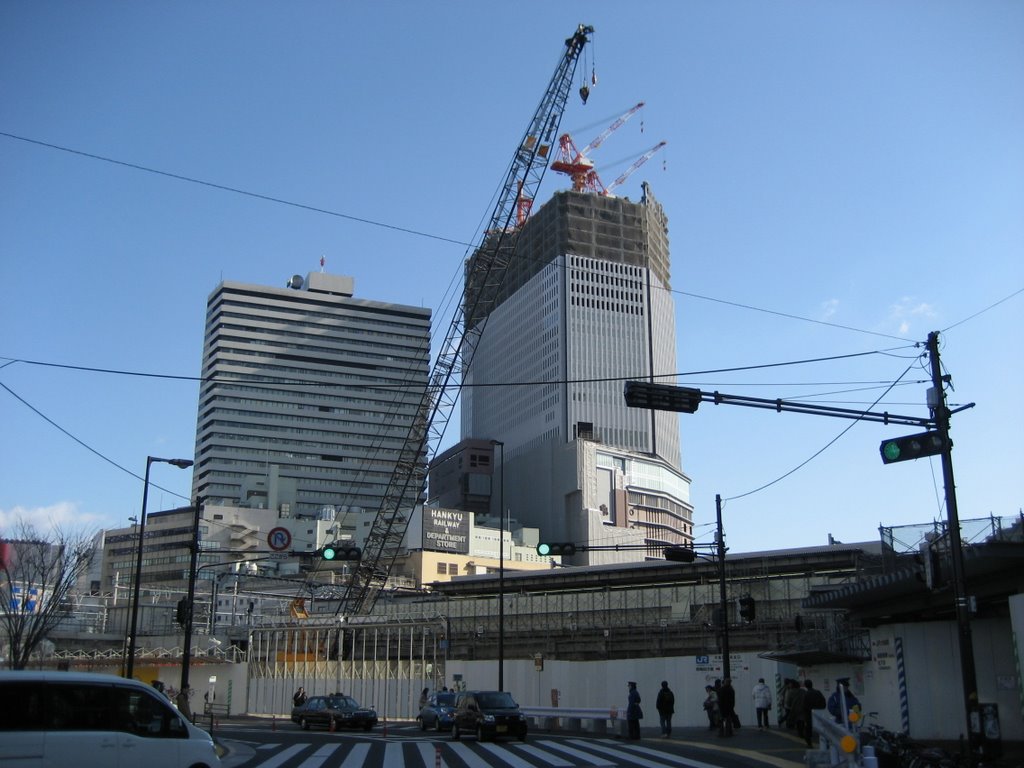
265 384
236 190
428 235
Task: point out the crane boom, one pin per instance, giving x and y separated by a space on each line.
612 128
629 171
484 274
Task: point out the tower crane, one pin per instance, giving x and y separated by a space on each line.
577 165
607 192
484 273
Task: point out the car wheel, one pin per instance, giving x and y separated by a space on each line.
422 723
368 726
455 731
479 733
304 723
522 736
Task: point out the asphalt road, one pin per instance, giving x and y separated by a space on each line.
255 743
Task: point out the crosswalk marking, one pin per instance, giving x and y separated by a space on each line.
283 756
637 760
553 760
590 759
393 757
468 756
674 759
506 756
538 753
319 757
428 753
356 757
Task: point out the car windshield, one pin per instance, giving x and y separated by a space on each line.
496 700
446 699
342 702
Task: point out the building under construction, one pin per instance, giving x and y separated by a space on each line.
585 304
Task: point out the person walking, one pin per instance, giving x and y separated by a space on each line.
633 712
762 696
299 697
813 699
711 706
726 707
836 707
666 706
183 704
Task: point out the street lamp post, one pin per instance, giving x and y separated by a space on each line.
150 460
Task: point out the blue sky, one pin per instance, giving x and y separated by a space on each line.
859 164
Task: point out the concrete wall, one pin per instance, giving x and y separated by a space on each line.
600 684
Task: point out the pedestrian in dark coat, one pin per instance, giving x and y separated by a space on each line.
726 707
835 701
633 712
666 706
813 699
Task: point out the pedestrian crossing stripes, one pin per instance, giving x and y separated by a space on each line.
536 753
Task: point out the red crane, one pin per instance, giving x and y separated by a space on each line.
575 163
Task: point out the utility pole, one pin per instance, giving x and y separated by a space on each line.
937 402
186 654
724 600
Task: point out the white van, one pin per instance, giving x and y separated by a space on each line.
85 720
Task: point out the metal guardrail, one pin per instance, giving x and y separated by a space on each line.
838 746
599 717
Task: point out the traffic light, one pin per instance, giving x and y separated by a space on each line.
912 447
340 551
565 549
661 397
748 608
181 612
679 554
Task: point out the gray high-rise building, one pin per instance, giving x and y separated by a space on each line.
308 394
585 304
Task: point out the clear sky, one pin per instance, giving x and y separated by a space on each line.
840 178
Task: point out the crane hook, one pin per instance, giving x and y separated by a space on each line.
584 93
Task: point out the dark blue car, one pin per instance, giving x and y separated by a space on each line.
438 712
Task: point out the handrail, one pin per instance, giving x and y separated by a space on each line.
842 745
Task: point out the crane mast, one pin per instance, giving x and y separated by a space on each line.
485 272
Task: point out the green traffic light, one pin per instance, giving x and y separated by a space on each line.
543 549
329 553
891 450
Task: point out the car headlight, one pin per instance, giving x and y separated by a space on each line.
488 718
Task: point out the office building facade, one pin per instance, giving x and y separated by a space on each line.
308 395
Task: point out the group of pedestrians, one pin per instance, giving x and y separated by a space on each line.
798 702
